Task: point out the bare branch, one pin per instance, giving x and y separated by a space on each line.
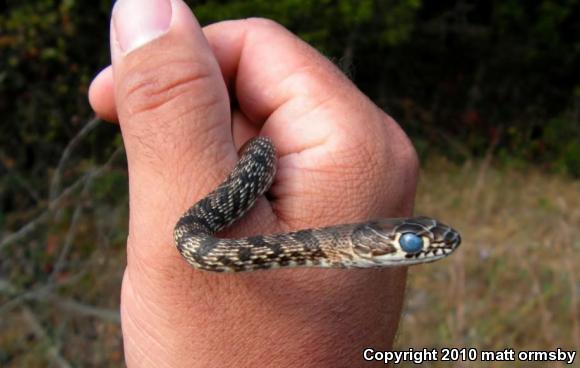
37 293
54 349
54 204
86 310
70 235
46 293
57 176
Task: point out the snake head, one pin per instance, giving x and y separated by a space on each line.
402 242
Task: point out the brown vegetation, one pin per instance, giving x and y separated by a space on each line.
514 283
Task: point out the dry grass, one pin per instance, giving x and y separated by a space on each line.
514 283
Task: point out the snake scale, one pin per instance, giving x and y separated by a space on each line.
376 243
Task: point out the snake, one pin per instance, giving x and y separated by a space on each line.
377 243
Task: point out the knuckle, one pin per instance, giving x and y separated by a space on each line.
407 157
401 151
391 167
154 85
403 163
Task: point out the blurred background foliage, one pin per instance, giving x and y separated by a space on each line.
458 75
464 78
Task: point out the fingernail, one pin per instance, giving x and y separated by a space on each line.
138 22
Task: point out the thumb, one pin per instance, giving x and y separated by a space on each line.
173 110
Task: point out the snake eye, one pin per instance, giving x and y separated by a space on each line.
411 243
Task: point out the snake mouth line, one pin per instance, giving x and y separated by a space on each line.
426 259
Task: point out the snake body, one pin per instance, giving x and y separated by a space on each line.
376 243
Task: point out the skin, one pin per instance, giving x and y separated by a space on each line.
341 159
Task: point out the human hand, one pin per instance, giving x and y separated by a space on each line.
341 159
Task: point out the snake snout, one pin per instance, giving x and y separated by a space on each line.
452 239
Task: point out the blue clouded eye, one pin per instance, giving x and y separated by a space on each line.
411 243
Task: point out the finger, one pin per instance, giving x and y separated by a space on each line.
173 111
174 114
101 95
336 146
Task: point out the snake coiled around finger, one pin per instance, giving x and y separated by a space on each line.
376 243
